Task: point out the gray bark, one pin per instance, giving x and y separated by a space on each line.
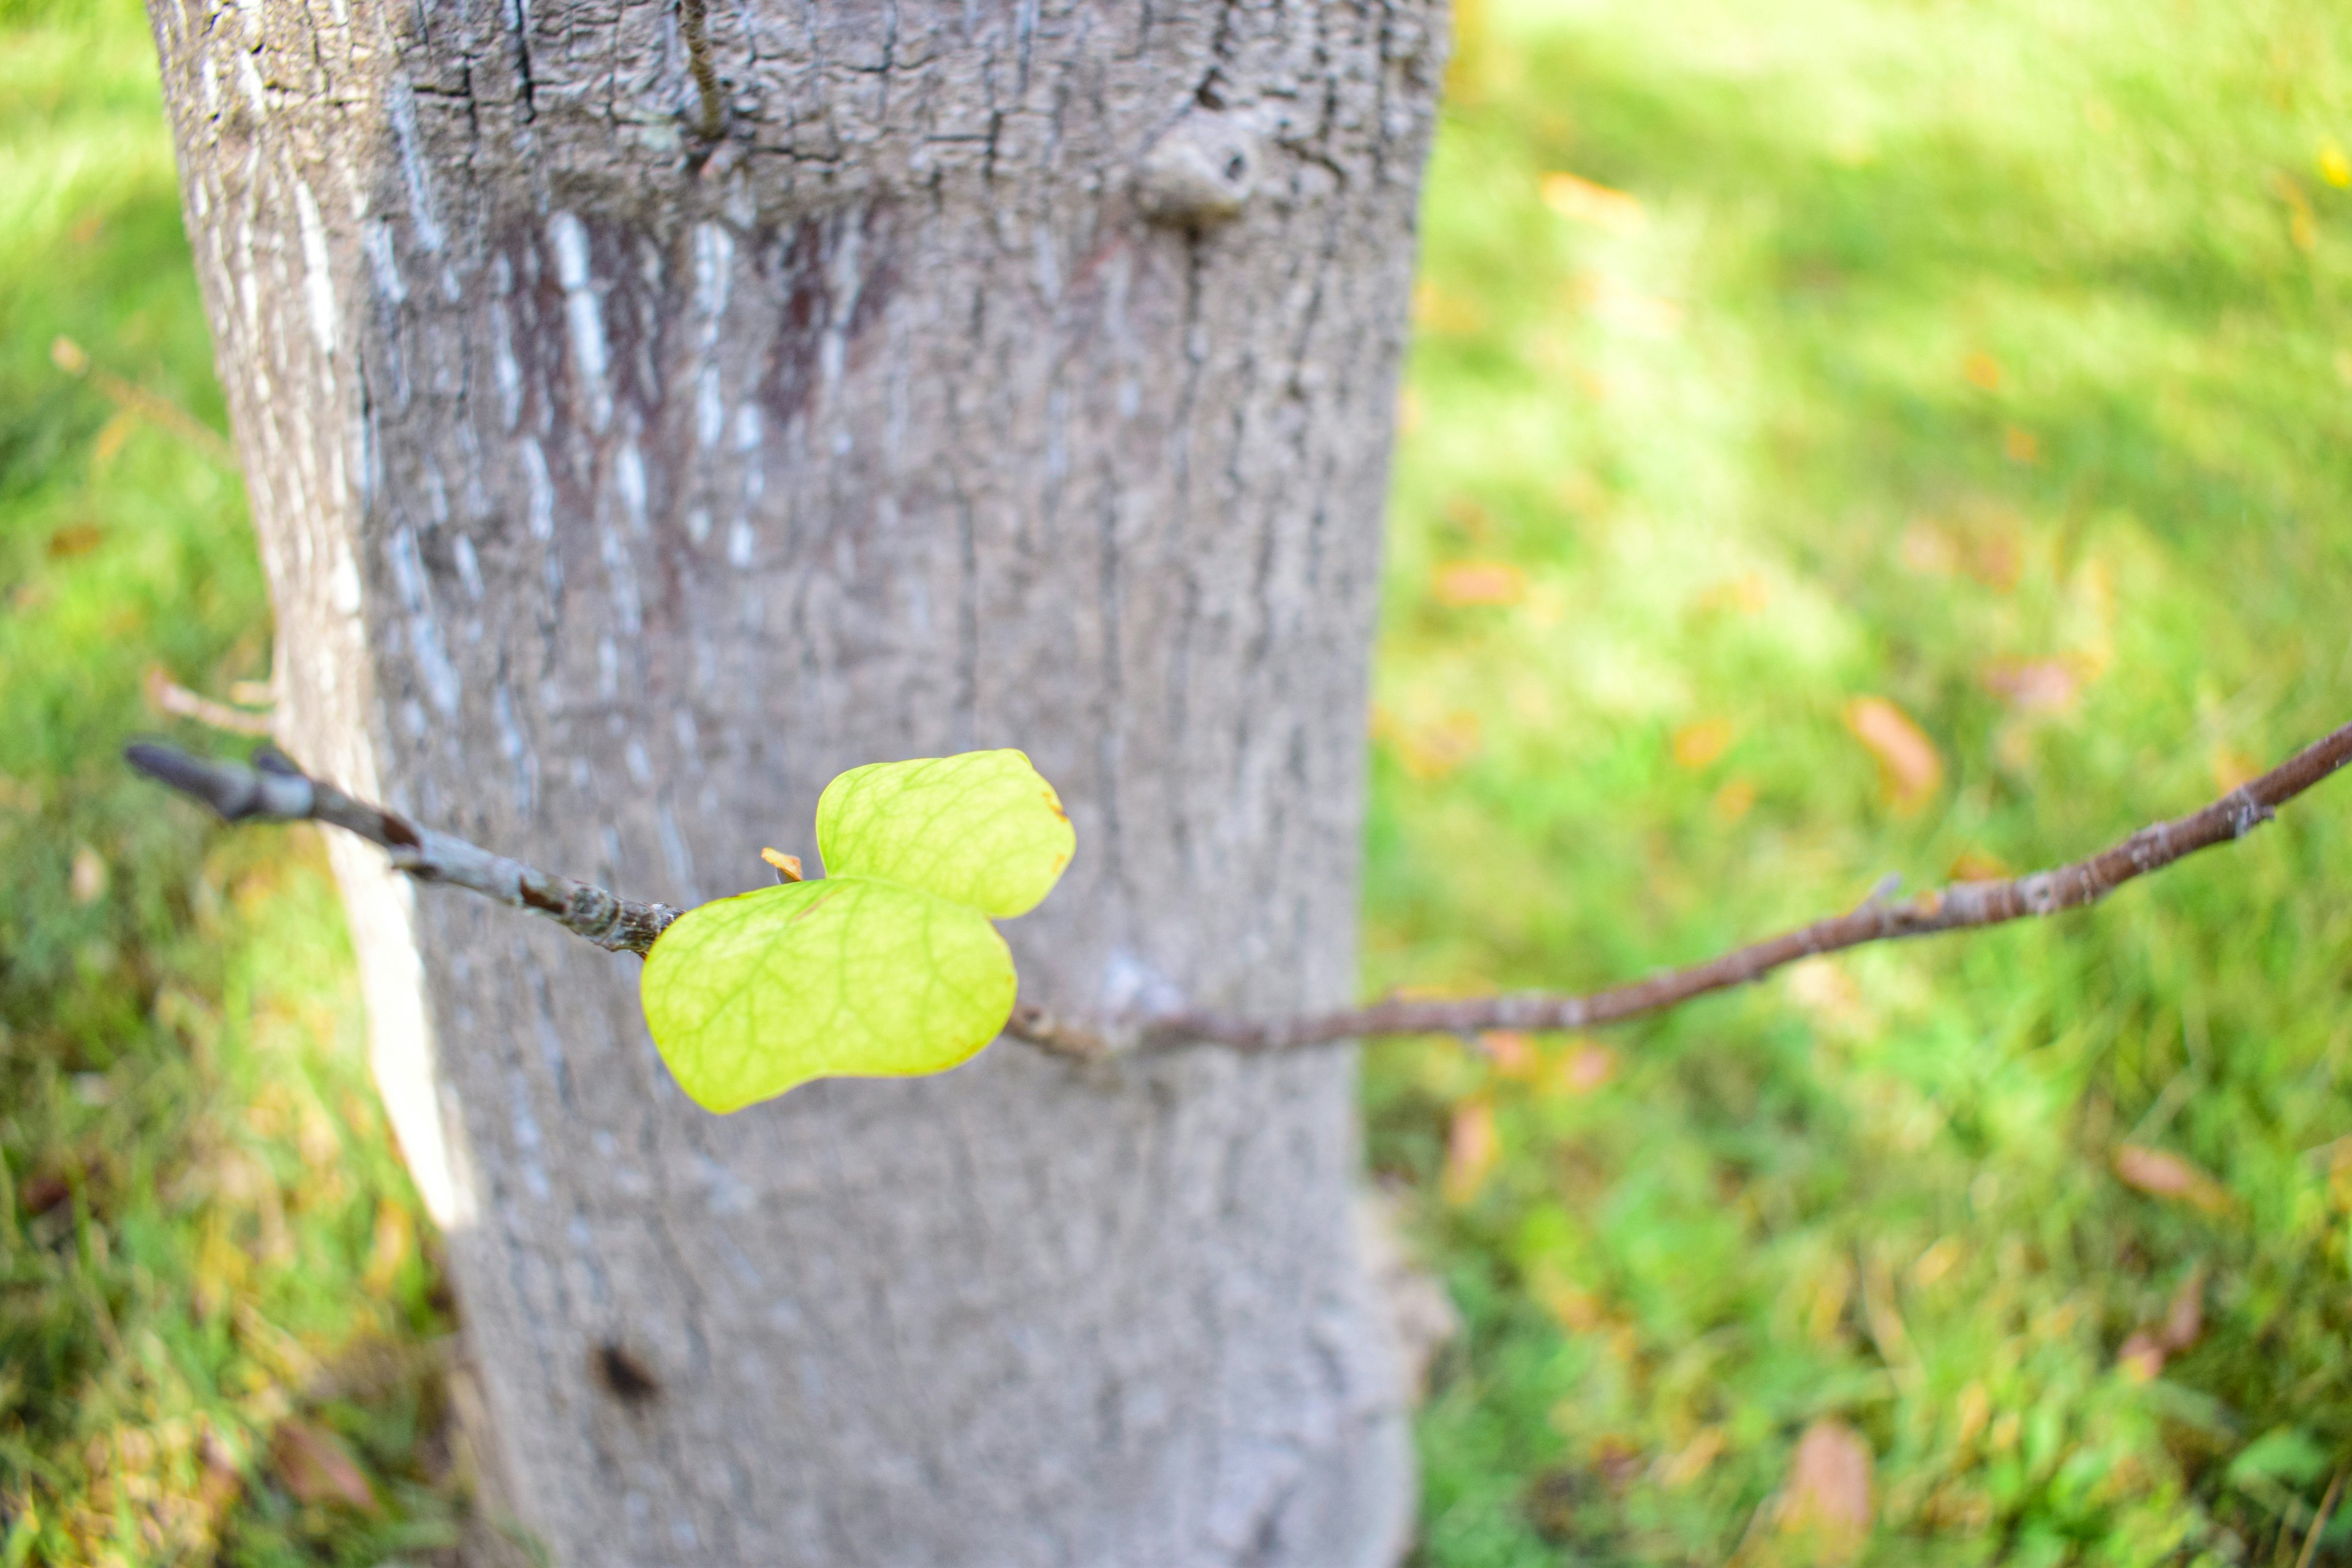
650 412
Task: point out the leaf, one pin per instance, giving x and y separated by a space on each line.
1472 1147
983 828
2163 1176
1572 196
1827 1495
851 976
1911 767
1464 583
316 1468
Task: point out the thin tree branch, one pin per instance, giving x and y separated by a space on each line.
275 788
1964 906
168 696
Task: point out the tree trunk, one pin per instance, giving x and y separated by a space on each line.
651 410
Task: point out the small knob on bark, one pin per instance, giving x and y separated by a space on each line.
1200 173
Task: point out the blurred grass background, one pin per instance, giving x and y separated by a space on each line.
1841 438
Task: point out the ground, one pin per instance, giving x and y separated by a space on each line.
1841 439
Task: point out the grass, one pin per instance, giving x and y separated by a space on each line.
1986 361
1989 360
216 1313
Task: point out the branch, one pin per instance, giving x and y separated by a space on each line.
1964 906
275 788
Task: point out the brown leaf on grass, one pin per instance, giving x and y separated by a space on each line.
1697 745
1910 768
1573 196
315 1467
1463 584
2143 1354
2164 1175
2033 685
1983 370
1827 1495
1512 1053
1432 750
1582 1068
2233 769
1472 1147
2019 445
1690 1462
1977 865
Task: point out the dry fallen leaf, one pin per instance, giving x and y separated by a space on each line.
1514 1054
2233 769
1735 800
1976 865
1983 370
2033 685
1472 1147
1680 1469
2164 1175
1584 1067
1827 1495
1575 197
1910 767
2021 446
1434 750
316 1468
1697 745
87 881
2144 1353
1462 583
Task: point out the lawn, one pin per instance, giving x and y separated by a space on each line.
1975 378
1840 440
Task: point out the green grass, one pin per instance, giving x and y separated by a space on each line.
1948 340
1949 348
207 1250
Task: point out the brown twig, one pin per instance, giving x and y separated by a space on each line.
276 788
1961 907
168 696
273 789
152 407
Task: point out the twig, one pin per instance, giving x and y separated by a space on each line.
1961 907
273 788
152 407
279 789
168 696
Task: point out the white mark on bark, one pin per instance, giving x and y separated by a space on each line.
623 578
584 314
504 368
318 274
674 850
541 490
629 484
401 109
375 238
433 666
469 567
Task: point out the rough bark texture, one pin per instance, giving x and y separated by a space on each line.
653 409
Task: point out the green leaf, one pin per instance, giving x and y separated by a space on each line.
983 828
751 996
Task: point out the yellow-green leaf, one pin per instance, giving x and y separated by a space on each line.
983 828
752 995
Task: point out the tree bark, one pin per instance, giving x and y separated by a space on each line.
652 409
